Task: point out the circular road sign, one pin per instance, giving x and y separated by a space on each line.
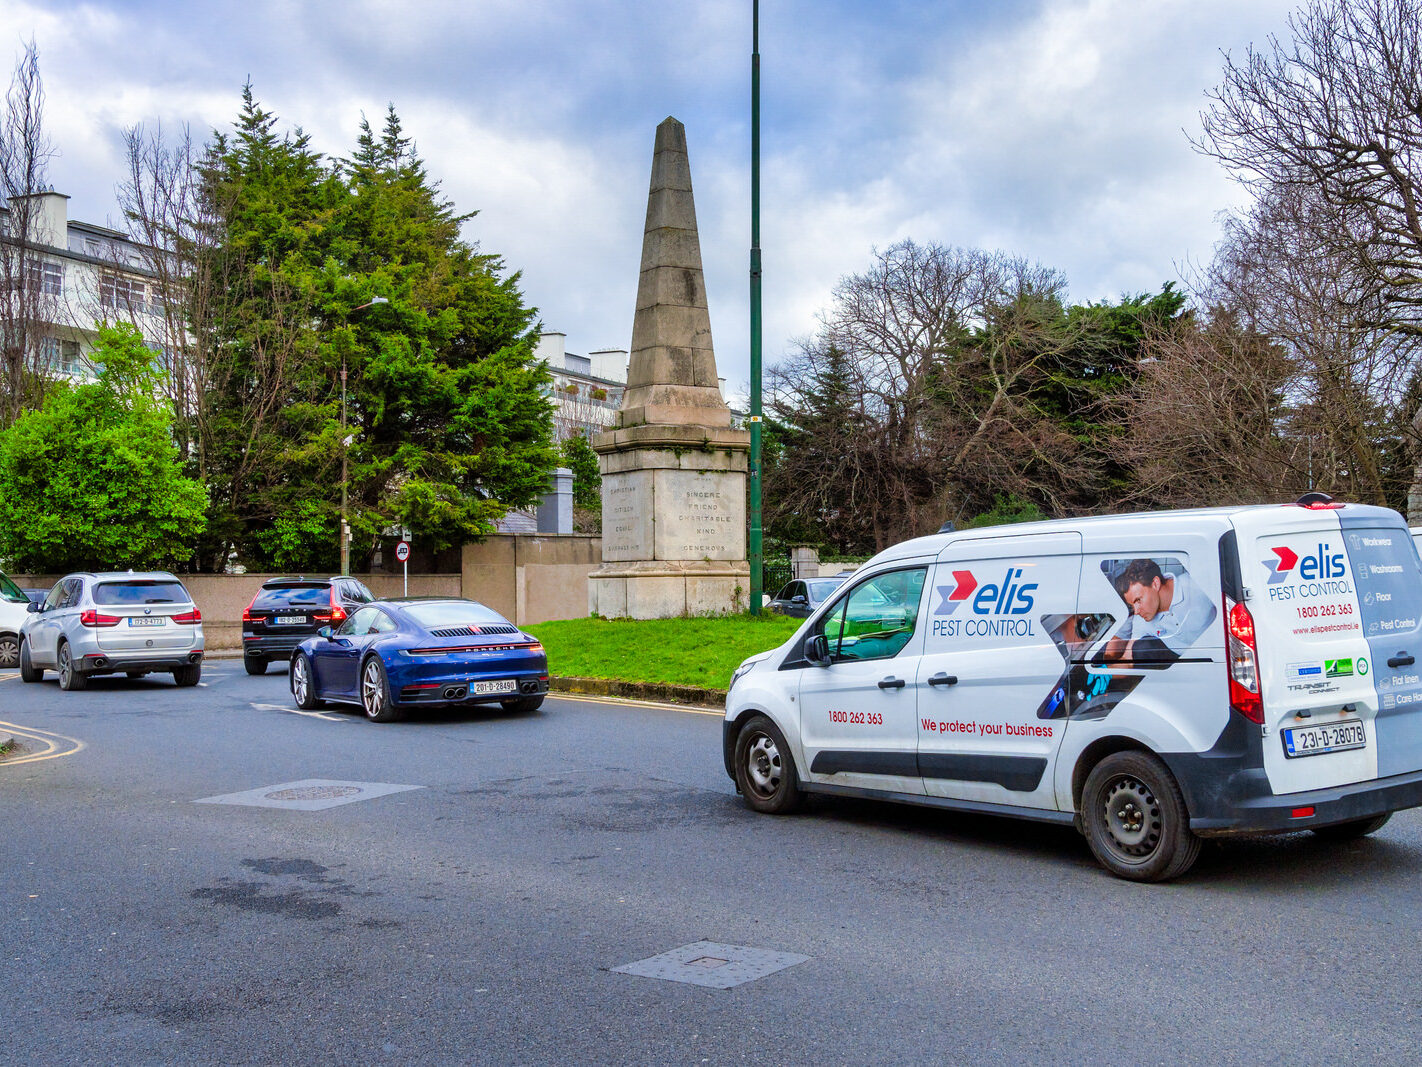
402 551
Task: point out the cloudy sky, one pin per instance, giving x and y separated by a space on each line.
1054 129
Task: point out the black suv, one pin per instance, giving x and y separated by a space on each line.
286 611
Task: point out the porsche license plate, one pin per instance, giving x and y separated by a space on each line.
503 685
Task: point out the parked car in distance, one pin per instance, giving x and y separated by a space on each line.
128 622
36 596
286 611
801 597
393 655
14 608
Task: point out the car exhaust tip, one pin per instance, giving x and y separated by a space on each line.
453 692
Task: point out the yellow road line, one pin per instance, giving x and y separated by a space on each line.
55 744
637 703
8 677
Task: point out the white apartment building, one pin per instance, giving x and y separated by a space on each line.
84 273
586 390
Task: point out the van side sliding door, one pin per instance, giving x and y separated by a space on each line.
992 667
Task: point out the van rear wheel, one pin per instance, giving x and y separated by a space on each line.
1135 819
1349 831
765 770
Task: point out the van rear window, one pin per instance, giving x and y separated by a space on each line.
118 594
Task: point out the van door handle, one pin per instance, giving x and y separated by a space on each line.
943 679
1402 659
891 683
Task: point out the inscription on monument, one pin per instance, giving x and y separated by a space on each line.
626 515
703 518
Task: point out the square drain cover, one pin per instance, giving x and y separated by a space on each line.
708 963
309 794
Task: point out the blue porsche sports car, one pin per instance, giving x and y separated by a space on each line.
391 655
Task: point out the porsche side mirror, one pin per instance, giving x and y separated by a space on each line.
325 632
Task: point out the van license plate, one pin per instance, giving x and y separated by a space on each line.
148 620
503 685
1316 740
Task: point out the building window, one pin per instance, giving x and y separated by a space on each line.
46 278
163 356
123 294
59 358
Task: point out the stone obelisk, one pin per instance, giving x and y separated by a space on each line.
673 467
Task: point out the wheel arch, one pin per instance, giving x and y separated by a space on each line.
731 729
1093 754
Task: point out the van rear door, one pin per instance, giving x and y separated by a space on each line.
1335 596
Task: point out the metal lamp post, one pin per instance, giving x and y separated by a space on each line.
346 449
755 553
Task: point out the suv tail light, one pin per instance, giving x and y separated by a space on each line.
337 613
93 619
247 618
193 616
1245 695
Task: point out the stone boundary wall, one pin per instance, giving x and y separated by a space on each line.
527 577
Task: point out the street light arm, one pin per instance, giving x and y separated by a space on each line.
373 301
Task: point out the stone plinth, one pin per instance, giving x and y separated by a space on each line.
673 522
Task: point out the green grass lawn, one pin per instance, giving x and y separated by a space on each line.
696 651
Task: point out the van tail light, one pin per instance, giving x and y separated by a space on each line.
1245 695
93 619
192 617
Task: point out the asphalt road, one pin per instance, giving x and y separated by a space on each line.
478 918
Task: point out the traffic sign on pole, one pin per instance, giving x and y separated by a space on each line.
402 553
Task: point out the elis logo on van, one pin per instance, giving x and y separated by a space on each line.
1310 568
1008 597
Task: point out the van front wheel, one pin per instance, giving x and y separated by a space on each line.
765 770
1135 819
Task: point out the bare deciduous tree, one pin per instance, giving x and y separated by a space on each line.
1207 423
1338 111
913 402
1327 129
27 301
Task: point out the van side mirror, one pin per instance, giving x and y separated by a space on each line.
817 651
325 632
34 608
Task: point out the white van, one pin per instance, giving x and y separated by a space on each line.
1152 679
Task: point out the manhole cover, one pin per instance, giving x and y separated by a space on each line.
716 966
313 792
309 794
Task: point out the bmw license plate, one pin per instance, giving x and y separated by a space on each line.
290 620
1316 740
147 620
503 685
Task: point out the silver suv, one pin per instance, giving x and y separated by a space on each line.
135 623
